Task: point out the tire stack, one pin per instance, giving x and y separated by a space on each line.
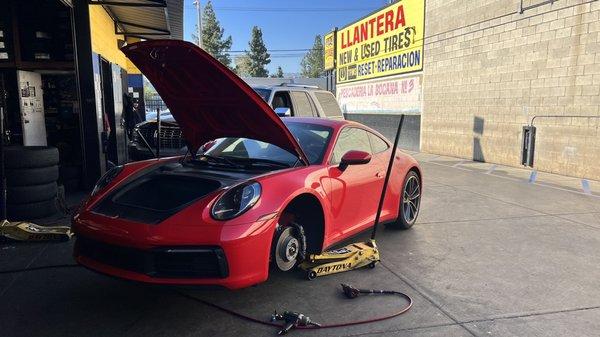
31 175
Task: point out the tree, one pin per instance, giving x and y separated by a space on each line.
149 91
242 65
312 64
258 56
279 72
212 36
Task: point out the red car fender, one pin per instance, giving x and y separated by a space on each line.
305 181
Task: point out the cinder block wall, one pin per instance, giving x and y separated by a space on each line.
489 69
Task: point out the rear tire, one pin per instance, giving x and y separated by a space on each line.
31 176
16 157
34 210
410 202
32 193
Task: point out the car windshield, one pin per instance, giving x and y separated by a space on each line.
313 140
264 93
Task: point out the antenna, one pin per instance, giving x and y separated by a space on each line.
2 177
387 178
158 133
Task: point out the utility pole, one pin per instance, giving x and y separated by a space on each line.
199 23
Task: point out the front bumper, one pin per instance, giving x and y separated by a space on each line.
232 256
163 262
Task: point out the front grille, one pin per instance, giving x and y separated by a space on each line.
171 262
170 136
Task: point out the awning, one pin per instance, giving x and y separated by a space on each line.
147 19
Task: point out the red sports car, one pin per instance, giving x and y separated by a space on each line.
267 193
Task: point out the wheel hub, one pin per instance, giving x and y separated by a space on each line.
290 249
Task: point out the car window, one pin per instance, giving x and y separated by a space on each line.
377 144
313 139
281 99
264 93
249 148
329 104
302 105
350 139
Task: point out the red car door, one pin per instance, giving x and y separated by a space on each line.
353 192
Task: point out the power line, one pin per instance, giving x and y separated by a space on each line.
274 50
426 39
290 10
287 9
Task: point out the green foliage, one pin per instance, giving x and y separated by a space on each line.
149 91
212 36
242 65
312 64
279 72
258 55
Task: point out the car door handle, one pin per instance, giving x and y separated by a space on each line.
379 174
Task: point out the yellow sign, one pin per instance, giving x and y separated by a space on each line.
329 53
387 42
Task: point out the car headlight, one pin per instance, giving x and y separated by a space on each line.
236 201
107 178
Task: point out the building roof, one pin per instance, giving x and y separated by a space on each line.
147 19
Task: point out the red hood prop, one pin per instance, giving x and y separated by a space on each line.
207 100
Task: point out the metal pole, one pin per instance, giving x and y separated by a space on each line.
199 22
387 178
2 176
158 133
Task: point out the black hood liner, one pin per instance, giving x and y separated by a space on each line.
162 192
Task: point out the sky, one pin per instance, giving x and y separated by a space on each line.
285 24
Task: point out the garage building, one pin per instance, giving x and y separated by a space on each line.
63 78
489 68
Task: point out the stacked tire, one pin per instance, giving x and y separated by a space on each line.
31 176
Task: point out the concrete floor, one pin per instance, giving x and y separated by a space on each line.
491 255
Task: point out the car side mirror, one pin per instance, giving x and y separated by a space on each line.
283 112
207 146
354 157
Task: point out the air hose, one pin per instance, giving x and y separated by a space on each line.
350 292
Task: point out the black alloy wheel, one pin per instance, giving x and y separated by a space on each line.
410 202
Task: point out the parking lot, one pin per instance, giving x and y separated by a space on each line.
495 252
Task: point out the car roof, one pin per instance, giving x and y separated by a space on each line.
289 86
333 123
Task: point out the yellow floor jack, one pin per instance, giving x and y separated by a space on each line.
350 257
27 231
23 231
355 255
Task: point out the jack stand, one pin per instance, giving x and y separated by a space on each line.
350 257
27 231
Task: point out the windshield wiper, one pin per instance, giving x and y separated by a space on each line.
219 160
266 162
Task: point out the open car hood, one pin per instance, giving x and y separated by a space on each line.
208 100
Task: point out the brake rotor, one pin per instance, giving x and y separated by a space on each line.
287 249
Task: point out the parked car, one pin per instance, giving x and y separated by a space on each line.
270 192
294 100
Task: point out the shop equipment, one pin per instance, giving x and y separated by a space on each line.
23 231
